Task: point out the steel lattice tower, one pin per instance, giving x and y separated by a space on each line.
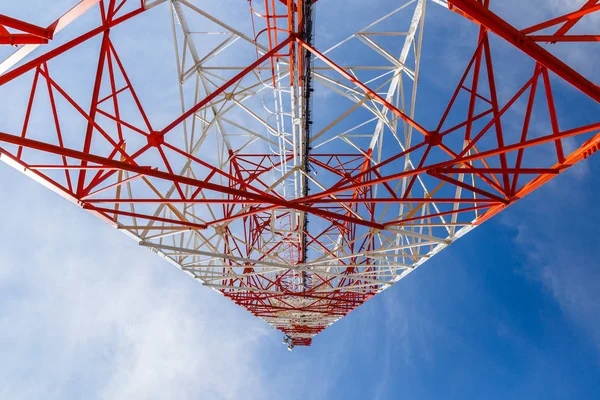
296 180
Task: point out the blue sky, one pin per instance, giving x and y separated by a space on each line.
509 311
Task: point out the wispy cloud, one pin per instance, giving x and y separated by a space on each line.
83 311
558 241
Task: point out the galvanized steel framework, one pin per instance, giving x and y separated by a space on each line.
297 224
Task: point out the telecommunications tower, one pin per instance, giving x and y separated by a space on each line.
281 152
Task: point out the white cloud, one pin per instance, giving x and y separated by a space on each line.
81 308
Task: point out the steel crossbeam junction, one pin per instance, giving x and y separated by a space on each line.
293 175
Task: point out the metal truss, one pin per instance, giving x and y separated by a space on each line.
259 187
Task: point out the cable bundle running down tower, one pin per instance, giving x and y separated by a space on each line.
293 169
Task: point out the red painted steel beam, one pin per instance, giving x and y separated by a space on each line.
337 200
521 41
55 27
9 76
574 16
566 38
17 39
571 23
26 27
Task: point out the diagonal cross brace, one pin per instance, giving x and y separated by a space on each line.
512 35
